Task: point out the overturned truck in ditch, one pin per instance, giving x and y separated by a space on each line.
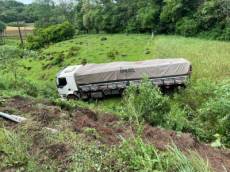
99 80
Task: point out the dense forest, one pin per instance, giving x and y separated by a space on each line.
204 18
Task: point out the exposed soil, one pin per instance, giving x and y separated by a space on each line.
110 129
58 151
107 129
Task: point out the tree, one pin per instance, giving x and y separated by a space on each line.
174 10
44 12
9 55
67 9
2 29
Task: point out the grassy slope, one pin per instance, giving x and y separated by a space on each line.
210 59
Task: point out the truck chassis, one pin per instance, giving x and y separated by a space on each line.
100 90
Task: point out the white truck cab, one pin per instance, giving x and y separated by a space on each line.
65 81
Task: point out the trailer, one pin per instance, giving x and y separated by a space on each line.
99 80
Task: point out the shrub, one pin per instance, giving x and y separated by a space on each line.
30 88
13 152
205 105
214 113
51 34
179 162
146 102
225 34
84 61
4 83
73 51
103 39
9 52
135 155
112 54
57 60
195 94
186 27
178 119
212 34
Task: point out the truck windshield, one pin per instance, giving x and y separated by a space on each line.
61 82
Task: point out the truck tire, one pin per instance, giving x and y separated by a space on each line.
71 97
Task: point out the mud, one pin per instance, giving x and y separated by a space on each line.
58 151
107 126
110 130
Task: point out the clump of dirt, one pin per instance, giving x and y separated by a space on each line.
219 159
111 130
106 125
162 138
20 103
58 151
46 114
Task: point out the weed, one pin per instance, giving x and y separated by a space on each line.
112 54
181 163
136 99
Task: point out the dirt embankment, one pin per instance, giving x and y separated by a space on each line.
106 129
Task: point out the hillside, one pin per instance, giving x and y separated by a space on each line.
114 134
209 58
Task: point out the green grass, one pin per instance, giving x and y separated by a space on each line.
210 59
12 41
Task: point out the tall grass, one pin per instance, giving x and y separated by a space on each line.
191 163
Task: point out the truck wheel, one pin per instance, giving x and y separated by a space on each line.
84 96
71 97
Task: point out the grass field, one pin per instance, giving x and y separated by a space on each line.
12 32
210 59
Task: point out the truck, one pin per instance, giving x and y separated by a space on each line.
100 80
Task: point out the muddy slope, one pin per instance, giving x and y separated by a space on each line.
108 130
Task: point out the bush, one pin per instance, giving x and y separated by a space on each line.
214 113
135 155
179 162
9 52
13 152
30 88
146 102
205 105
51 34
186 27
178 119
112 54
195 94
225 34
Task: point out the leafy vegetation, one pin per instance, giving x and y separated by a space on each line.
79 136
136 99
201 109
51 34
205 18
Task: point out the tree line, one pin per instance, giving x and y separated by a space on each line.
207 18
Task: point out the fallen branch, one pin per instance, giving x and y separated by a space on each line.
13 118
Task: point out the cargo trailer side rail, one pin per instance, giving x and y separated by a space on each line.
99 90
